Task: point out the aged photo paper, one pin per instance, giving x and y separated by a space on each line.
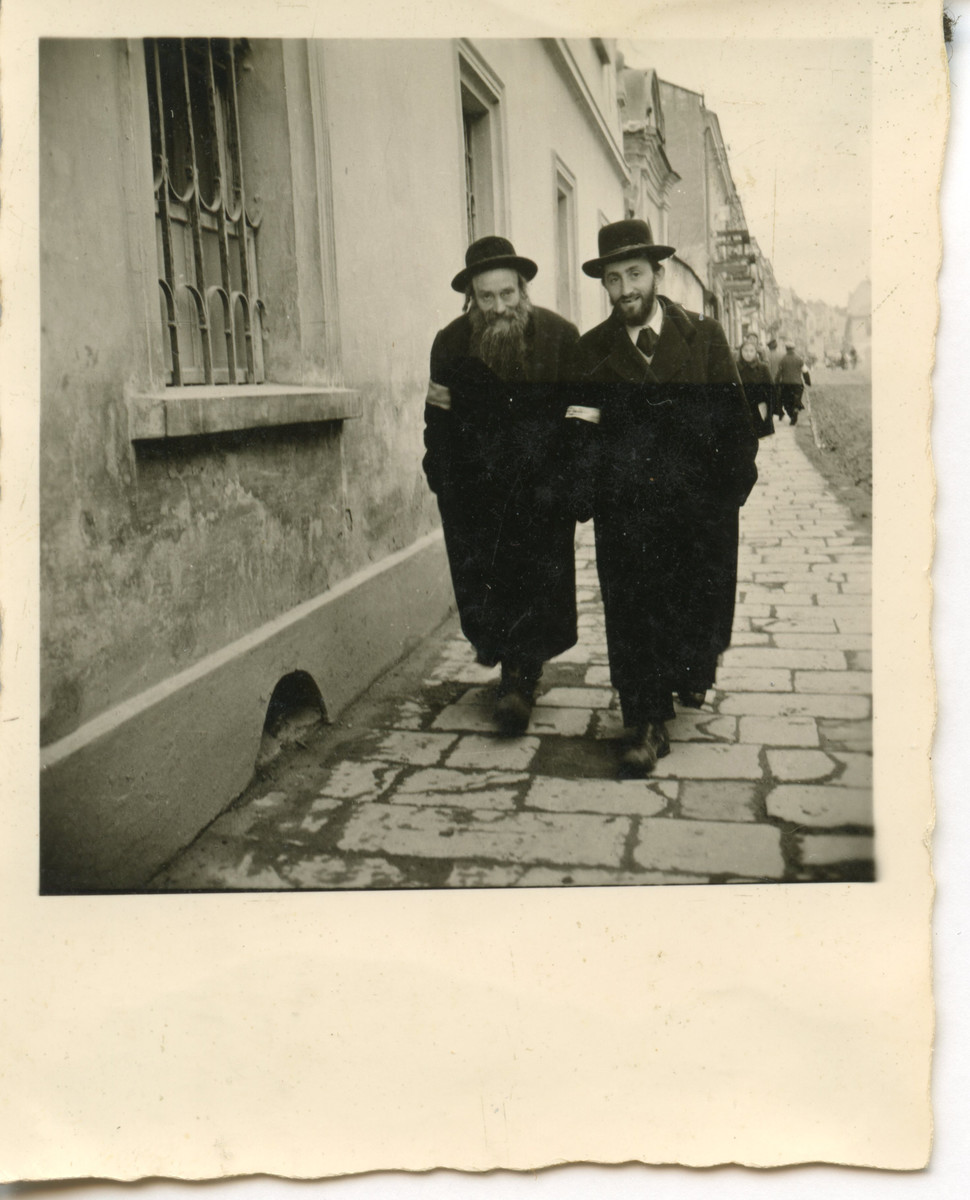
489 954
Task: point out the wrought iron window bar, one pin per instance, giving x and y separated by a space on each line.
206 227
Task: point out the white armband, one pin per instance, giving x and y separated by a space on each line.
438 396
579 413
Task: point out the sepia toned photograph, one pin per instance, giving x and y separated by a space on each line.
467 530
455 463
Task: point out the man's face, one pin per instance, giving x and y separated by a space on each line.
499 317
632 288
497 294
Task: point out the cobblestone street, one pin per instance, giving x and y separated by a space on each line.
771 781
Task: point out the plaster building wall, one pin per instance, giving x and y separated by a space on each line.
643 146
183 576
688 220
682 286
547 130
160 552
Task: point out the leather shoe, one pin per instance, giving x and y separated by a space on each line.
650 743
516 695
692 699
512 713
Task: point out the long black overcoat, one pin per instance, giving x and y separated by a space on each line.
759 389
494 459
666 471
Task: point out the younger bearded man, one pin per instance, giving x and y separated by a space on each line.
665 458
493 435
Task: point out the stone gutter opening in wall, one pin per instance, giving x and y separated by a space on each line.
199 411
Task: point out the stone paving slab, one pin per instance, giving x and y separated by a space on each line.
846 735
761 704
359 780
770 781
775 656
779 731
814 804
590 877
857 682
720 801
857 769
328 872
482 834
800 764
446 779
710 761
828 849
754 679
688 726
576 697
628 797
710 848
816 641
419 749
492 753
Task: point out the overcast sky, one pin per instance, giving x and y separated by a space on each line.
795 117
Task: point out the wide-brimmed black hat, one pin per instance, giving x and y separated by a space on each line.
625 239
489 254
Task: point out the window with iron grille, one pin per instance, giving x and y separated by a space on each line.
205 224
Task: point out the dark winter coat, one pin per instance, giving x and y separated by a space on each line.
494 461
759 389
790 369
667 468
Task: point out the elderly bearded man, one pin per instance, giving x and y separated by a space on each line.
664 462
493 435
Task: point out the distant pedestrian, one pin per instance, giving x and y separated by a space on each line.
774 359
667 460
493 428
791 384
759 390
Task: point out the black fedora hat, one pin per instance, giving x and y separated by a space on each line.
625 239
489 254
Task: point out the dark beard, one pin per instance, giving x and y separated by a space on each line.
500 341
640 314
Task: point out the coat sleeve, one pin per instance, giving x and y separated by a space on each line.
735 441
438 420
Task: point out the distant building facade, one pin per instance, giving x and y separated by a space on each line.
826 331
652 179
706 221
858 325
238 307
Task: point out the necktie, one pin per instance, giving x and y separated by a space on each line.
647 342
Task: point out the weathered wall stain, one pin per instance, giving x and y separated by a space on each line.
155 554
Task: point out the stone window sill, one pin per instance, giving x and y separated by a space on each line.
200 411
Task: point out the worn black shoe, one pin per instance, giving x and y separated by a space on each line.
692 699
516 695
650 743
512 714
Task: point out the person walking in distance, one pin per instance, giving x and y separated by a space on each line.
493 439
758 387
774 358
791 384
663 457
